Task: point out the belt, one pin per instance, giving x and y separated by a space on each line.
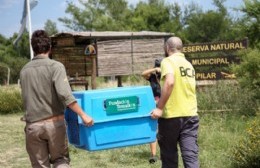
54 118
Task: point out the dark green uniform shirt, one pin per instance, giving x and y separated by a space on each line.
45 89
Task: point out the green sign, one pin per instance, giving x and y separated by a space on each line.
121 105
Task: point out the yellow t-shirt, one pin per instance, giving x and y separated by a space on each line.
182 101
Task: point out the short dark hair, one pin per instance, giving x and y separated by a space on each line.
157 63
41 42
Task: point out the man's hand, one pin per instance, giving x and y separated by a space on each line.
87 120
166 92
156 113
158 70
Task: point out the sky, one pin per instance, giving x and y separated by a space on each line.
11 12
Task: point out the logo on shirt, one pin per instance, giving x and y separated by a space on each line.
187 72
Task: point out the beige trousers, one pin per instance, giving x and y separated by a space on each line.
46 144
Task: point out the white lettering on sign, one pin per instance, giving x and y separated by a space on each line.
118 102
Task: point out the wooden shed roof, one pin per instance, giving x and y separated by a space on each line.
106 34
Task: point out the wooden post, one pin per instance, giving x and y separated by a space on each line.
94 73
119 81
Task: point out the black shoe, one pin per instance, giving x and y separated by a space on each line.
153 159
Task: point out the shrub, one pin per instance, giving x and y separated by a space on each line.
136 80
221 96
246 102
227 96
15 64
246 154
10 100
248 74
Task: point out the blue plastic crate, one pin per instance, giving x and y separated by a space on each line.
121 115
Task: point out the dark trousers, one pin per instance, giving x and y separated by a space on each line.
182 130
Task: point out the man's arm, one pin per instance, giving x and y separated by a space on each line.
147 73
64 93
166 92
87 120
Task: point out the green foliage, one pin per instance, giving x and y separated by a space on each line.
22 48
248 71
226 96
153 16
217 134
97 15
135 80
10 100
248 74
247 104
50 27
210 25
223 96
204 27
250 23
3 72
13 57
15 65
191 23
106 15
246 154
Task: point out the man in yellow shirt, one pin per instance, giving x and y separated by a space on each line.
177 108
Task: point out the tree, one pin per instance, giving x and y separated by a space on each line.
249 70
210 25
97 15
250 23
190 23
13 57
157 15
204 27
23 47
100 15
50 27
248 74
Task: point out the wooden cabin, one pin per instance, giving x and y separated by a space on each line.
107 53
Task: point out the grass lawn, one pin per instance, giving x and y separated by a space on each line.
217 134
